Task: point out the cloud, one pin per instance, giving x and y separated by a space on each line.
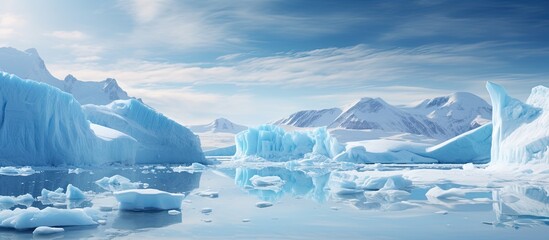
320 78
229 57
144 10
68 35
83 52
9 24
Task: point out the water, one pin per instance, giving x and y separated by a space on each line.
306 207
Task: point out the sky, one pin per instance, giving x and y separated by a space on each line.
258 61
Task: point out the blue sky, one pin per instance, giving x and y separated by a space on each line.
257 61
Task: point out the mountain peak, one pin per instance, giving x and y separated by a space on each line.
221 124
33 52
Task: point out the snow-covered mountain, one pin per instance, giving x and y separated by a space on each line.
311 118
29 65
442 117
220 125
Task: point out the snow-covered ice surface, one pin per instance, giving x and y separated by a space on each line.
148 200
333 200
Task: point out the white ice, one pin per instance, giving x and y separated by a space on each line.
148 199
74 193
33 217
43 230
117 183
16 171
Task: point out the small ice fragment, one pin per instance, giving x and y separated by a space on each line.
335 208
14 171
442 212
43 230
76 171
174 212
206 210
210 194
488 223
102 221
468 166
105 208
73 193
145 185
263 204
246 220
207 220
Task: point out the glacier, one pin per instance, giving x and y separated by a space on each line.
521 130
159 139
41 125
273 143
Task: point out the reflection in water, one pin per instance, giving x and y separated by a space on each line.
521 205
53 179
297 183
140 220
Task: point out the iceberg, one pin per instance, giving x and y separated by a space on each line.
520 130
74 193
148 199
273 143
41 125
30 218
159 139
117 183
43 230
470 147
10 201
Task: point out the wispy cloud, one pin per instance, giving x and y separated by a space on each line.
333 75
9 24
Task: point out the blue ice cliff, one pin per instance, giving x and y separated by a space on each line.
521 130
273 143
41 125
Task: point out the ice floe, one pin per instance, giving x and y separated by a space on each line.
10 201
148 200
117 183
16 171
43 230
33 217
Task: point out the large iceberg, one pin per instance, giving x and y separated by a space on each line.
521 130
41 125
472 146
273 143
159 139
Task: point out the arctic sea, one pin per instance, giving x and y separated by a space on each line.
312 203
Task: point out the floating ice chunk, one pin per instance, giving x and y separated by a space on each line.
174 212
263 204
76 170
102 221
206 210
208 193
468 167
10 201
273 183
56 195
442 212
33 217
387 196
73 193
207 220
148 199
15 171
246 220
43 230
396 182
195 167
117 183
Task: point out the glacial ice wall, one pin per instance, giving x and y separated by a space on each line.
273 143
160 139
520 130
41 125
